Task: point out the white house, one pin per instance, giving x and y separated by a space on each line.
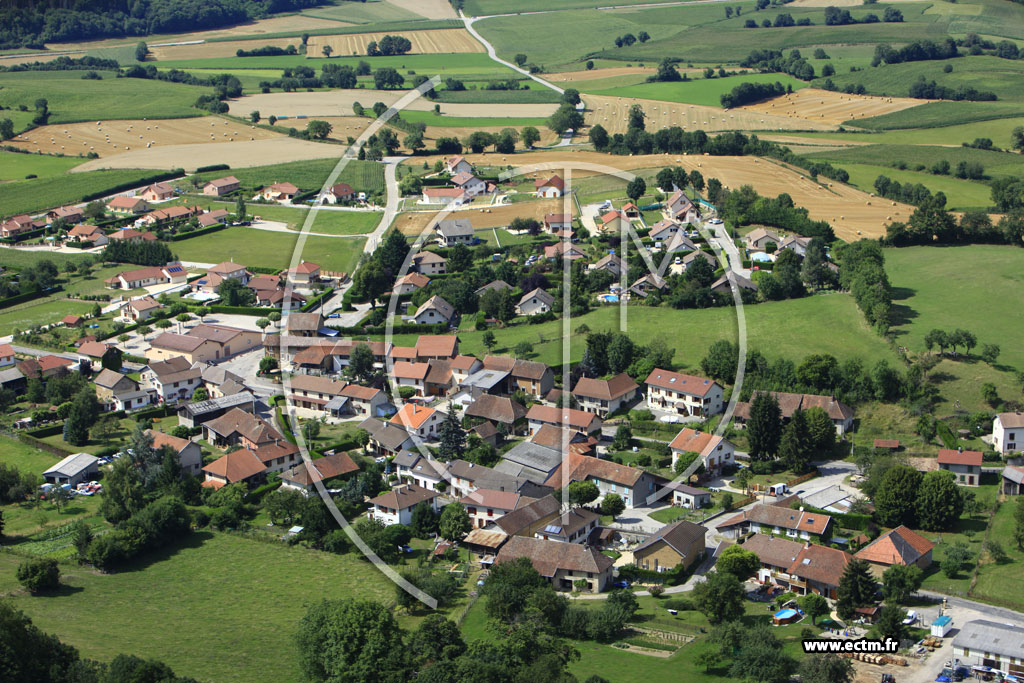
535 302
457 164
422 421
189 454
663 229
469 183
429 263
550 188
679 208
556 222
73 469
715 452
683 394
6 355
172 379
396 506
604 396
434 310
413 375
411 282
455 231
1008 432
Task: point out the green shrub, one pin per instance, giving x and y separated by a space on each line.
40 574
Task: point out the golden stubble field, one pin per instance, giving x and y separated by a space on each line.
852 213
824 106
220 49
339 103
278 150
433 41
412 223
613 113
108 138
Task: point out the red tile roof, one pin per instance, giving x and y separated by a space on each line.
676 381
948 456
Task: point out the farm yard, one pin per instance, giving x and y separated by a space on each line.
116 137
612 113
445 41
834 108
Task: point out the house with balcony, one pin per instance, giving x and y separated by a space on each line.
684 394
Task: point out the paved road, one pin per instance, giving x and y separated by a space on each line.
469 21
391 208
727 245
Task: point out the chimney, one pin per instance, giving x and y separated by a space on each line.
959 449
807 545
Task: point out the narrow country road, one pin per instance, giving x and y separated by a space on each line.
469 21
391 207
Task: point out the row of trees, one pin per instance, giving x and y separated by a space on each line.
139 252
807 434
932 223
862 272
774 61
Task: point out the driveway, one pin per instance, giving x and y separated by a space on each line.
725 243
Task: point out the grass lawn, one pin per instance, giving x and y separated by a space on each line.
270 249
15 166
995 163
39 312
71 98
344 222
1001 583
19 258
950 287
248 619
23 196
118 438
961 194
24 457
363 176
24 523
432 119
790 329
974 537
706 92
950 115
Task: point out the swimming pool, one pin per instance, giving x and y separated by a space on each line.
785 614
608 298
761 257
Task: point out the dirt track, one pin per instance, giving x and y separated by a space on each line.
853 214
438 41
339 103
117 137
612 114
823 106
431 9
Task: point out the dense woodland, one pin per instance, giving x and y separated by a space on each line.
33 24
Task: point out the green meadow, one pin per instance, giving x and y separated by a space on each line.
15 166
37 194
270 249
704 91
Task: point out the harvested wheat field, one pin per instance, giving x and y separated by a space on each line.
824 106
107 138
413 223
612 113
220 48
431 9
853 214
595 74
831 143
547 136
339 103
28 58
278 150
437 41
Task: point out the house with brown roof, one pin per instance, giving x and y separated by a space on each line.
174 379
304 274
423 421
610 262
565 250
469 183
68 214
572 526
211 218
127 206
775 520
965 465
171 273
664 230
115 391
279 192
410 283
188 453
612 222
486 506
204 342
167 214
303 477
428 263
18 225
141 309
679 243
386 438
580 420
437 346
434 311
776 556
340 192
817 569
500 410
303 324
758 239
254 433
549 188
72 321
605 396
242 465
218 187
556 222
898 546
648 284
563 564
684 394
457 164
566 440
96 354
840 413
686 496
87 233
444 196
396 505
44 367
715 451
1008 432
413 375
158 192
527 519
6 355
678 543
632 484
680 208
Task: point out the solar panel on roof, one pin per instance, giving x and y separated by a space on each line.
553 529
